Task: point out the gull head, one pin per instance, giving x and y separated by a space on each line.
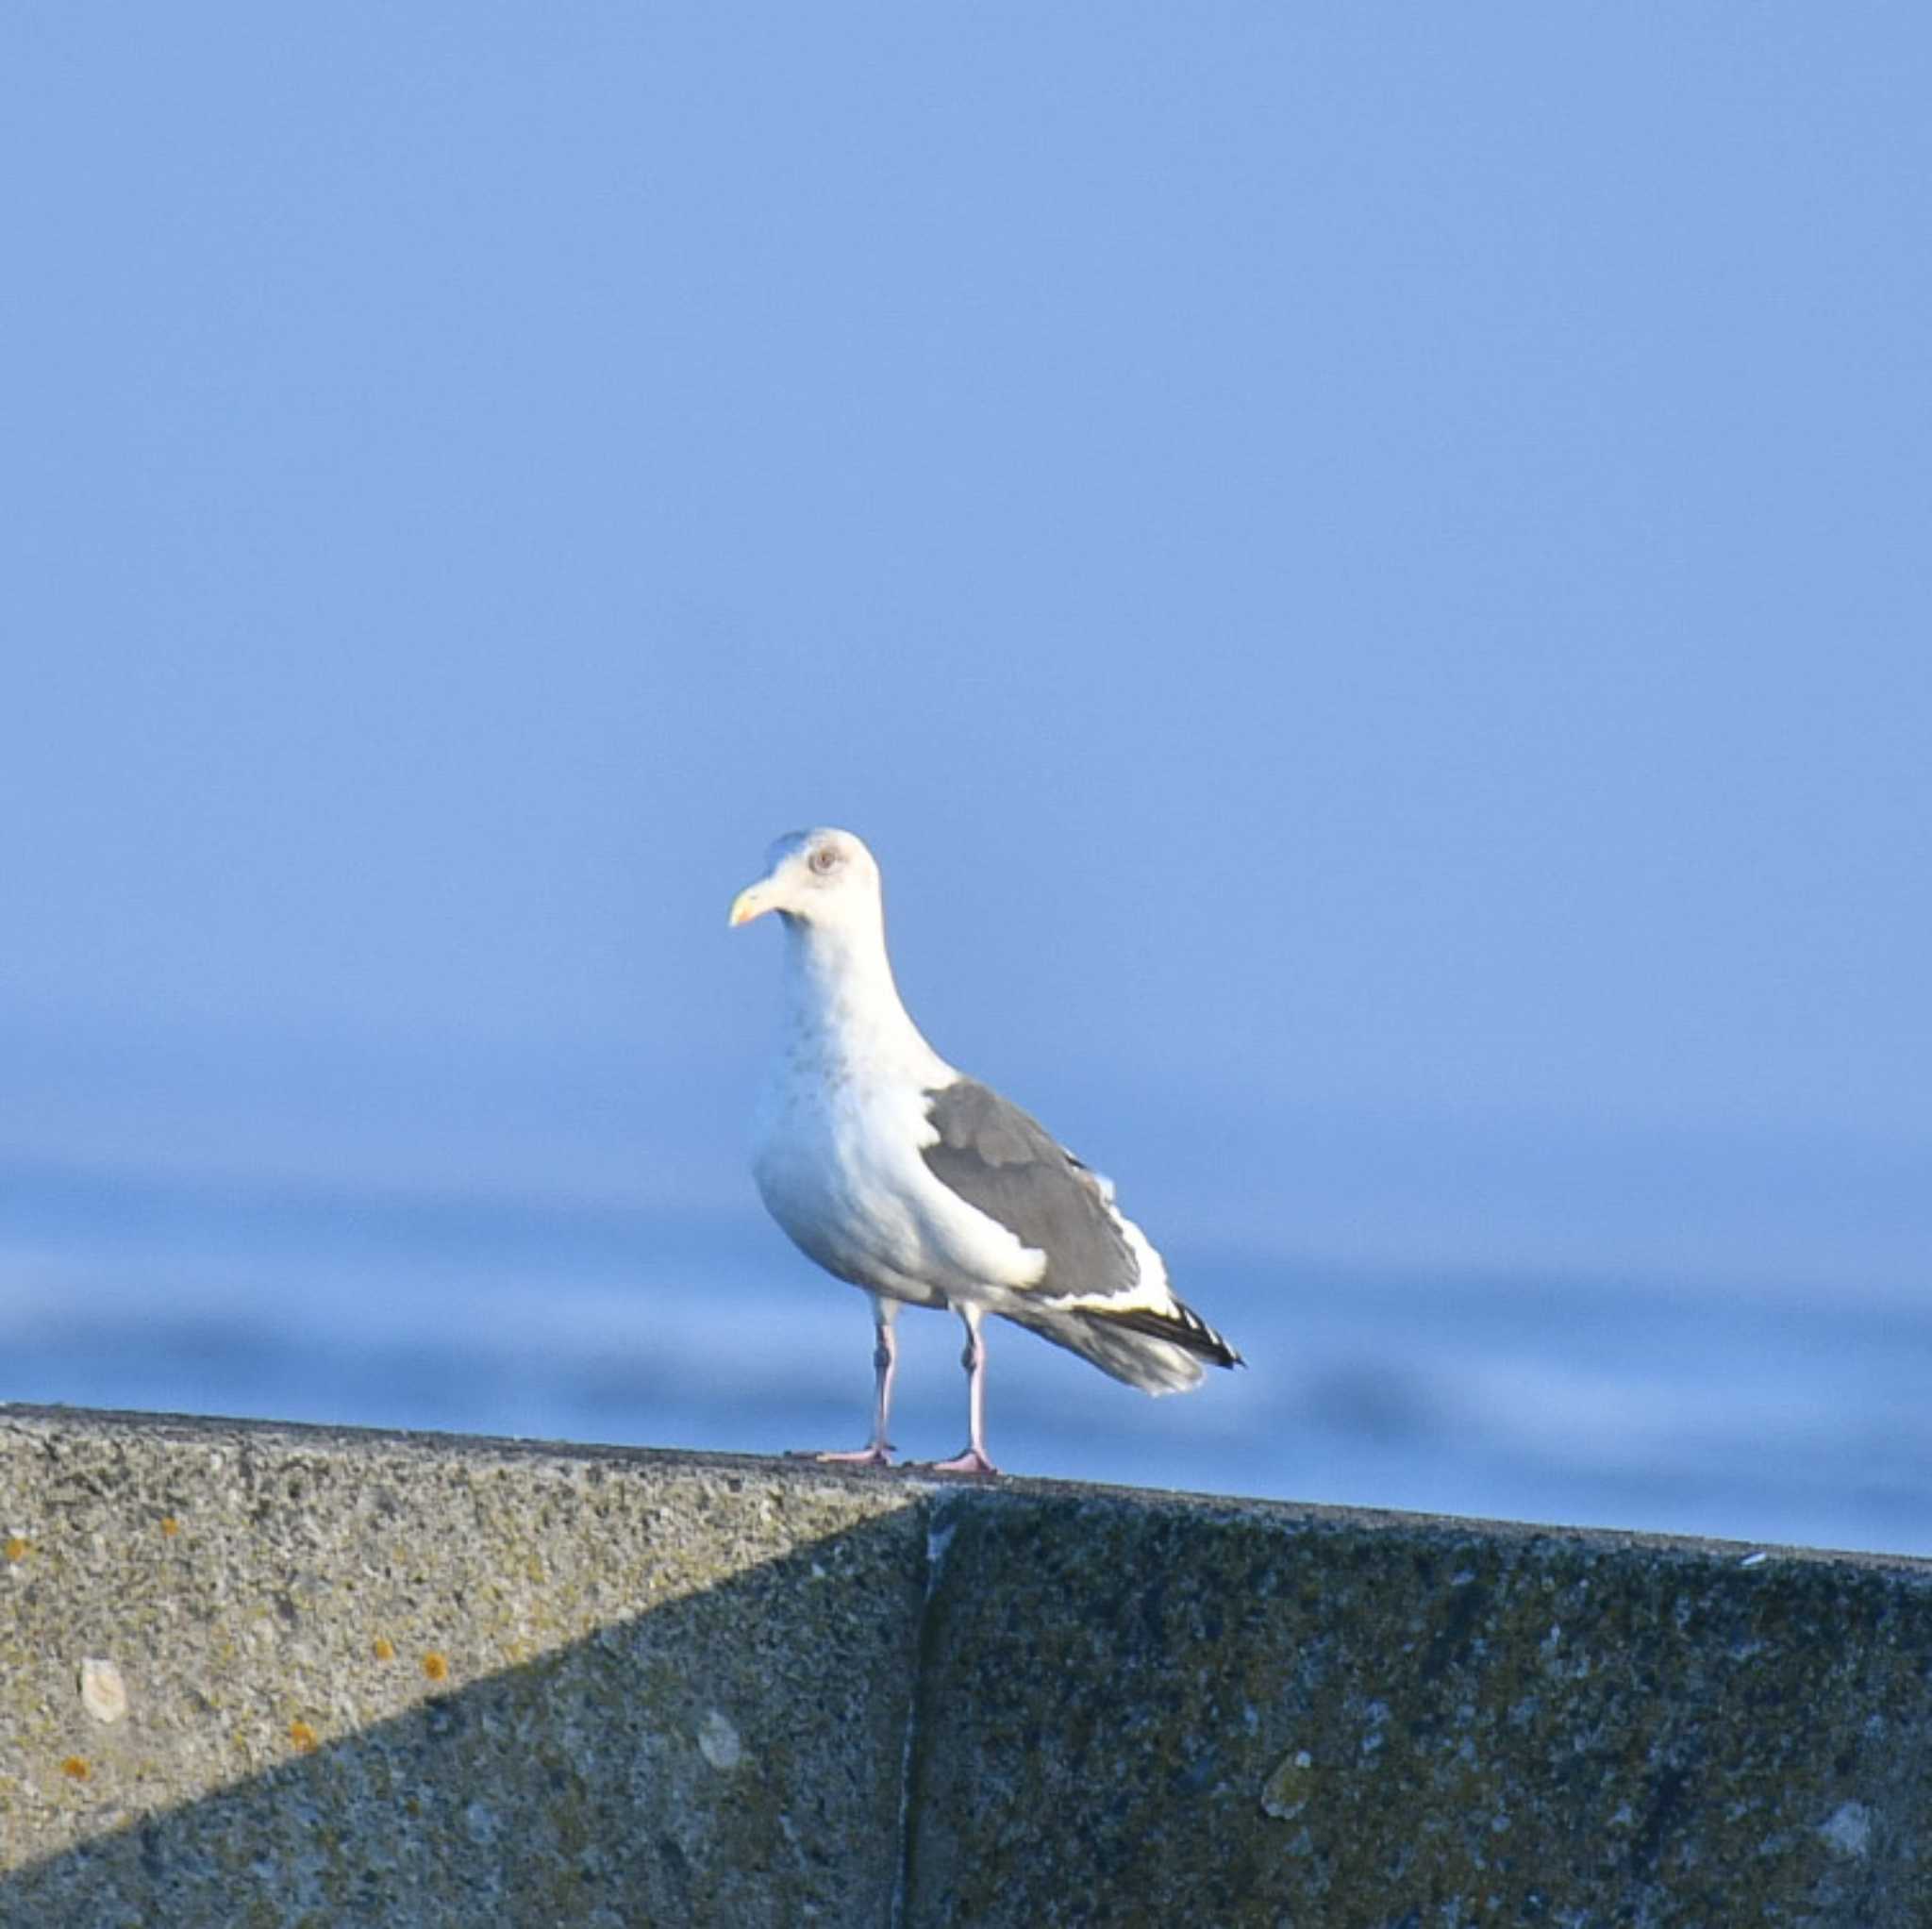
824 879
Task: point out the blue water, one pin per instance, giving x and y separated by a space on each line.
1775 1416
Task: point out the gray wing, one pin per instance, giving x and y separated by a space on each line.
1006 1163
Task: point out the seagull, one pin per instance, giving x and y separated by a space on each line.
924 1187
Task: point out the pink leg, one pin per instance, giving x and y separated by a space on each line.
885 1361
973 1459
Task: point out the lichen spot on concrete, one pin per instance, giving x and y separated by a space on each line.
1286 1792
718 1741
1848 1828
18 1547
75 1768
302 1736
103 1693
385 1648
436 1666
170 1526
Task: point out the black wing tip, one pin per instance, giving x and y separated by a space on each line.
1183 1327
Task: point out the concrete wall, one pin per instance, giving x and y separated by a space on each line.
277 1675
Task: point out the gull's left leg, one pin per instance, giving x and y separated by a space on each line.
973 1459
885 1363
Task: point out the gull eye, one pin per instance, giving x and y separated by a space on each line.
824 859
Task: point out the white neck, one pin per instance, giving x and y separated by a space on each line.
842 1003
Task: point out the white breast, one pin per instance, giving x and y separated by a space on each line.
837 1160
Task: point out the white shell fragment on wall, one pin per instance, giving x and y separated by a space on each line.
718 1741
103 1693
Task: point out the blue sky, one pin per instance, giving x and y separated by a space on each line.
1365 570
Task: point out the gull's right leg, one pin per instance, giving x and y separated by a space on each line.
973 1459
885 1361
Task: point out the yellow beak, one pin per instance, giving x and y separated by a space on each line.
750 903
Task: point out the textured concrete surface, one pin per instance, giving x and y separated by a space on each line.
391 1679
281 1676
1147 1711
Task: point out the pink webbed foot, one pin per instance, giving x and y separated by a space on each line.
971 1461
879 1454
